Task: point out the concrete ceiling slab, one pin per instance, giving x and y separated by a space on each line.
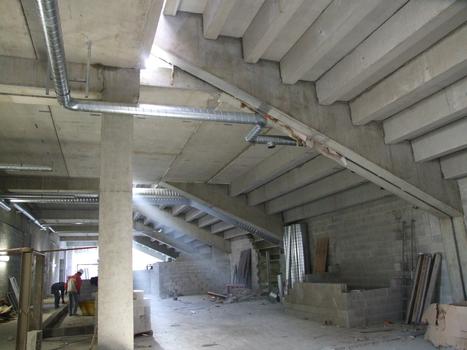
208 151
14 38
121 31
27 135
253 155
79 135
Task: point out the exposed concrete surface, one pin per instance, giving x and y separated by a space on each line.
439 66
437 110
197 323
341 27
363 145
455 166
115 234
412 29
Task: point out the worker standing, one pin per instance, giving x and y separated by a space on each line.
58 290
73 287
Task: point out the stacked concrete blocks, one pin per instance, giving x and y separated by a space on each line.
141 313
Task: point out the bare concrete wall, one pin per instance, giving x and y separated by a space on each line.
365 248
16 232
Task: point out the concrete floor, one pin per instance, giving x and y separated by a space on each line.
194 322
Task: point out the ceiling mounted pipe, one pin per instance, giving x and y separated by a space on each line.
50 22
25 167
4 206
29 216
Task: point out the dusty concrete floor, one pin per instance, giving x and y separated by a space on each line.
196 323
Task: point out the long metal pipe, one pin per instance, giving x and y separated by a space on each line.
4 206
50 21
29 216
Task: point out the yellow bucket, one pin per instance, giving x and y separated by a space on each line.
88 307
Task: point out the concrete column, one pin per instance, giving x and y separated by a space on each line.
115 305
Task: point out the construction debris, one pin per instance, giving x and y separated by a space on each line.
447 325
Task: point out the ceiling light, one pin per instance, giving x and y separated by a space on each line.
25 167
4 258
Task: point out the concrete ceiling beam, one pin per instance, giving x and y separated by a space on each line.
234 233
171 7
179 209
67 214
146 241
79 238
207 221
233 210
296 109
325 187
146 250
221 227
411 30
345 199
455 166
302 19
75 228
194 214
49 183
215 15
138 227
309 172
340 27
180 225
274 166
270 20
441 142
437 67
429 114
240 17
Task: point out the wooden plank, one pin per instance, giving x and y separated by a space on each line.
424 287
413 318
321 255
416 277
434 275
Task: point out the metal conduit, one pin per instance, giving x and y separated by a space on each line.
50 21
29 216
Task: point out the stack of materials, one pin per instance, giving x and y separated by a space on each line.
423 287
141 313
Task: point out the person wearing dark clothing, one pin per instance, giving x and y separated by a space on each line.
58 290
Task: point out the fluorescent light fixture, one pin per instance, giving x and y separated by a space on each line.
25 167
4 258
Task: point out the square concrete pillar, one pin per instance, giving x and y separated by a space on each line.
115 303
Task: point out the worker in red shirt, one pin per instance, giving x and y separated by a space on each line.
73 286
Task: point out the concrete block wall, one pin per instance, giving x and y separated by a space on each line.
16 232
193 276
333 302
365 248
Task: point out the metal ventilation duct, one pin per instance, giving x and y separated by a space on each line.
50 21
